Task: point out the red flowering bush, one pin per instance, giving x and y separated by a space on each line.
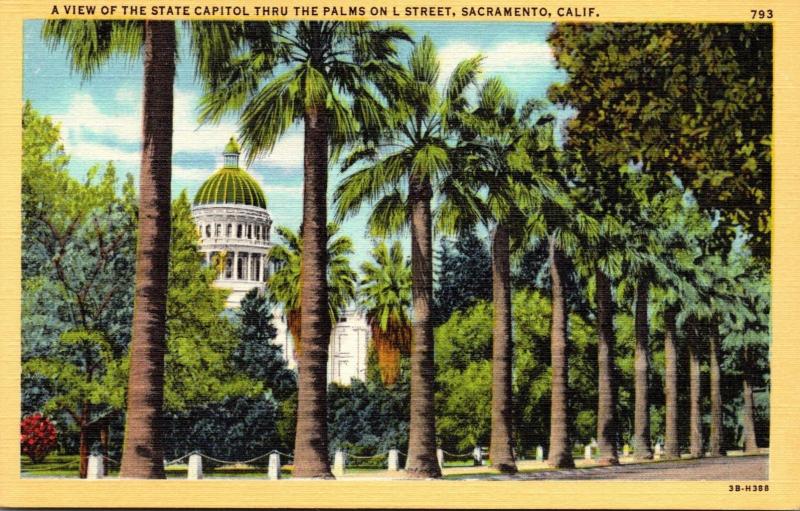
38 437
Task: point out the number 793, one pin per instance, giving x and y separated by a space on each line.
761 13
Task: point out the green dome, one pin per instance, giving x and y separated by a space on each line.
230 184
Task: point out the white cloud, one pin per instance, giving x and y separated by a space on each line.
281 190
83 123
124 95
190 173
504 57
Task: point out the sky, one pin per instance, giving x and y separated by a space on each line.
100 118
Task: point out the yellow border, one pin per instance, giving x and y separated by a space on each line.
784 483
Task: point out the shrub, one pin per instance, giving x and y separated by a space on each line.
38 437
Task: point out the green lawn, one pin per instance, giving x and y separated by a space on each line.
58 465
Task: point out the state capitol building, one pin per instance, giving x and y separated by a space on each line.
230 210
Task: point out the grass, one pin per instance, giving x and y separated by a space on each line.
66 465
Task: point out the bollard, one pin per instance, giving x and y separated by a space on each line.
657 452
587 453
274 468
626 450
338 464
95 469
195 470
477 456
440 458
539 453
394 460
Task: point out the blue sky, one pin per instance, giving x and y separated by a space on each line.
101 118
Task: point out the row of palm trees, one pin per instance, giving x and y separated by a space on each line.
421 153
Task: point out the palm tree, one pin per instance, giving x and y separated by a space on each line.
565 226
402 170
285 283
330 73
598 194
496 186
90 44
385 291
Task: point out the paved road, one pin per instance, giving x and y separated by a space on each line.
743 468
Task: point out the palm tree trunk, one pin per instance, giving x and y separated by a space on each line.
142 455
641 418
311 440
695 412
671 443
607 431
715 432
560 455
501 446
748 414
422 461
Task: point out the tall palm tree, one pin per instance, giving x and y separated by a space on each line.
497 186
402 170
329 76
385 290
285 283
599 194
89 45
565 226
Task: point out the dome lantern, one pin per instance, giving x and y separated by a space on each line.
231 154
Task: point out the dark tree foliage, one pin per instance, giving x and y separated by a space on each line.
256 355
234 429
464 275
369 418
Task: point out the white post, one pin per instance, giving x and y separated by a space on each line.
195 470
274 469
440 457
394 460
539 453
626 450
338 464
658 451
587 453
95 469
477 456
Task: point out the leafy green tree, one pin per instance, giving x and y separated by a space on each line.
84 373
695 102
89 45
77 257
385 291
401 171
328 75
200 339
463 352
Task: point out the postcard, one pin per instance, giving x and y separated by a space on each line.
367 255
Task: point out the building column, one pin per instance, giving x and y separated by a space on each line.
235 274
261 268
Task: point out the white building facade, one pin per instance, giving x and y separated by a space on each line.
230 211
